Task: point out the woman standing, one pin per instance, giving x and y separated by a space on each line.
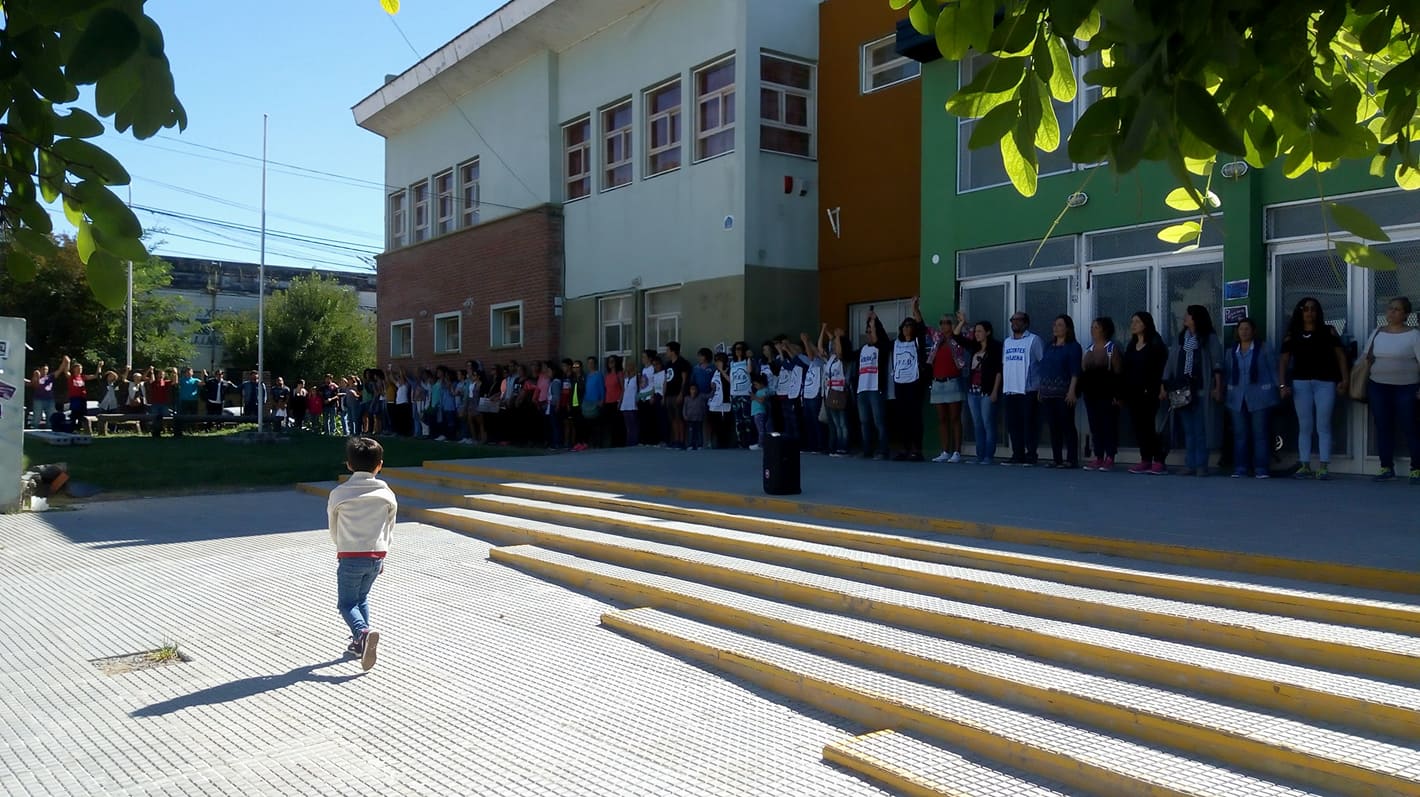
1394 353
741 395
836 393
1251 396
1144 360
872 384
1059 383
1100 371
983 388
909 358
949 360
1197 366
1312 371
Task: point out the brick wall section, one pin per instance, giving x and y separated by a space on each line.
514 258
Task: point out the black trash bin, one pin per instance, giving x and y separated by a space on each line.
781 465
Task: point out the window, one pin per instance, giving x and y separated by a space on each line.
786 106
616 319
617 122
715 110
663 129
448 333
883 67
890 311
507 325
662 318
444 201
402 338
982 168
420 191
397 217
577 140
468 193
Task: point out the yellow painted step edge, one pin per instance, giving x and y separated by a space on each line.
1235 749
845 754
1321 608
1300 569
877 711
1391 665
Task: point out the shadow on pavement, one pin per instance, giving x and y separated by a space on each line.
246 687
159 521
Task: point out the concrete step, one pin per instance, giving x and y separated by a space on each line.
1267 744
1378 654
918 768
1405 582
1081 759
1306 604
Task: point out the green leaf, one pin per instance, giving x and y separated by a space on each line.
1364 256
20 264
36 243
1409 179
108 278
972 105
1356 222
1095 131
107 210
951 34
897 5
1090 28
116 89
1376 34
78 124
1047 137
108 40
1066 16
1019 167
1181 199
49 188
1199 111
923 16
391 7
977 18
1015 34
1000 74
121 246
72 212
32 213
90 162
989 128
1199 166
1183 233
1062 79
84 241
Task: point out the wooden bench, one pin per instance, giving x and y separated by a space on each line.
173 423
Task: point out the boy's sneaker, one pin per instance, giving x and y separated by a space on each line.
1107 464
1304 472
955 458
1093 464
1158 469
1415 475
353 650
1139 467
1322 474
1239 473
369 646
755 447
1262 474
1386 474
942 457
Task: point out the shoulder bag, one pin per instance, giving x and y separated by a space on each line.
1361 371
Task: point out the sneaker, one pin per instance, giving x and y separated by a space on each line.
1141 467
1386 474
942 457
879 457
987 461
441 439
353 650
370 644
1262 474
1239 473
1094 464
1304 472
1158 469
955 458
755 447
1415 475
1106 464
1322 474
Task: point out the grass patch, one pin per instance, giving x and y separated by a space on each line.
205 461
147 660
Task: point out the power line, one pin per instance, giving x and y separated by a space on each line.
331 242
238 246
253 208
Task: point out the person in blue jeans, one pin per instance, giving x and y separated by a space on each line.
1394 387
1250 368
872 383
1197 365
983 389
1312 371
362 514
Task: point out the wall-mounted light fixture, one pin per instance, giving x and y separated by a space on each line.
1077 200
1234 169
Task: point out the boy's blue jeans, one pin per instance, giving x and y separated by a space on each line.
353 579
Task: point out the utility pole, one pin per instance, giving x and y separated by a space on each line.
261 296
129 362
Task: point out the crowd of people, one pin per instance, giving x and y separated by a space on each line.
831 397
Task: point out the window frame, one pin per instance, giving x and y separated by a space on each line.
420 232
585 146
403 322
726 97
867 71
458 338
628 325
785 91
469 210
494 337
627 134
675 125
442 190
651 319
397 210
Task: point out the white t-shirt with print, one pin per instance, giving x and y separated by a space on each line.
739 378
1020 369
813 377
868 369
906 368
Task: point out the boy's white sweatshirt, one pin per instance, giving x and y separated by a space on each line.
362 515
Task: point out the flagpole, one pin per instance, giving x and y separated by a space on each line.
129 362
261 295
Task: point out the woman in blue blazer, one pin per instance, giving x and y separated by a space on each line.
1250 373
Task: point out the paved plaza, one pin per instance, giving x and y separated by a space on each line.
489 682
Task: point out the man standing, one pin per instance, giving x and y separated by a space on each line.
253 394
677 375
216 392
281 401
330 403
1020 378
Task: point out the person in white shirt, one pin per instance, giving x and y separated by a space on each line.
812 361
1020 385
722 431
871 381
741 393
790 390
909 378
362 514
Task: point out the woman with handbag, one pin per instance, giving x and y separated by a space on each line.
1195 387
1251 397
1391 364
948 361
1143 364
1312 372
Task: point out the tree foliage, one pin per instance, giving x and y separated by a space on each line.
65 318
1300 84
49 49
314 327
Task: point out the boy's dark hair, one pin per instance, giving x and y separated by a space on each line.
364 453
758 379
673 346
706 353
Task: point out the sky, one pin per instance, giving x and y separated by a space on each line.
304 63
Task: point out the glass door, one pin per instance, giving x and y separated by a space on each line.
1116 295
1043 299
986 300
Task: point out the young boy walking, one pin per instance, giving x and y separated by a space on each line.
362 516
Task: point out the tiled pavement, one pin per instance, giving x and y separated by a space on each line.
490 680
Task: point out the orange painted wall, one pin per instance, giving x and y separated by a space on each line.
870 165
